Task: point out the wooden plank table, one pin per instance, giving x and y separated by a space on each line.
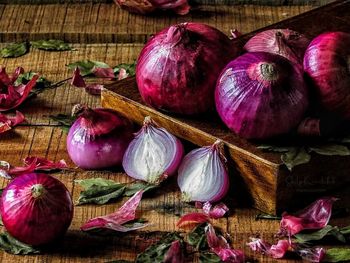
102 32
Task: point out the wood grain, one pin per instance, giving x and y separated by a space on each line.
106 23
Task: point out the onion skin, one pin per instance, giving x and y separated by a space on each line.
284 42
256 105
101 145
40 220
178 68
327 64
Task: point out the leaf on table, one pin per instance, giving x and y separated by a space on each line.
345 230
63 119
295 156
208 257
86 183
131 189
337 255
13 246
156 252
51 45
330 149
267 217
14 50
130 69
197 237
320 234
274 148
86 66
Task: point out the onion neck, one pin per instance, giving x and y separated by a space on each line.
176 34
37 190
268 71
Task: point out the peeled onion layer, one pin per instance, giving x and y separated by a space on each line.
153 155
327 64
202 175
36 208
178 68
261 95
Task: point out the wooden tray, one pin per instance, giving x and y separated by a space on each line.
271 187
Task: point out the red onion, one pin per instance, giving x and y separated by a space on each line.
287 43
178 68
327 63
260 95
275 251
202 175
98 139
36 208
153 155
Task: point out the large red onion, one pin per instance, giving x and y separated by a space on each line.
327 63
178 68
98 139
260 95
285 42
36 208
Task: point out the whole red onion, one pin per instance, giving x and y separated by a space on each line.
260 95
36 208
285 42
327 63
98 139
178 67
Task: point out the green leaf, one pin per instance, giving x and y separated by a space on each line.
345 230
337 255
51 45
63 119
274 148
133 188
208 257
197 237
87 183
295 156
99 191
86 66
13 246
138 221
130 68
320 234
267 216
330 149
14 50
155 253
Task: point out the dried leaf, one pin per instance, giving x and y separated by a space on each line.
320 234
14 50
100 194
156 252
345 230
274 148
267 216
13 246
51 45
197 237
131 189
295 156
330 149
87 183
180 7
63 119
337 255
207 257
86 66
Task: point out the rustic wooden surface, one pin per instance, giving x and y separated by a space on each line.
96 24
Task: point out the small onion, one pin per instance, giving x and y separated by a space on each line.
98 139
287 43
178 68
36 208
260 95
202 175
327 63
153 155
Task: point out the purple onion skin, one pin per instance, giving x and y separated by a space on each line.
36 221
285 42
257 106
327 64
101 151
178 68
